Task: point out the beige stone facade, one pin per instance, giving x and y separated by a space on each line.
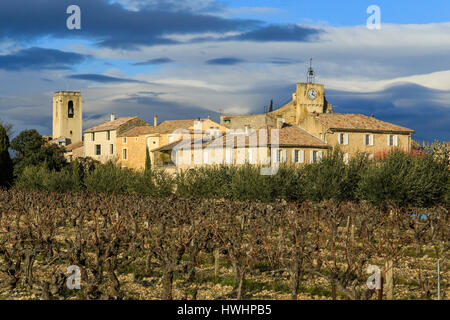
68 116
132 144
354 133
100 141
260 147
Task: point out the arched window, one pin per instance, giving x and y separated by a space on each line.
70 111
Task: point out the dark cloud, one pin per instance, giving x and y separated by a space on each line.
40 58
147 106
418 109
289 32
102 78
153 62
282 61
110 25
226 61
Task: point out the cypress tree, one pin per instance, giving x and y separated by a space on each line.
6 165
148 162
271 106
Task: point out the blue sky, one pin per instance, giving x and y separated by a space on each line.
198 58
351 12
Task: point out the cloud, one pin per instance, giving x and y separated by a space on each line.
102 78
40 58
146 106
226 61
109 24
279 33
153 62
406 104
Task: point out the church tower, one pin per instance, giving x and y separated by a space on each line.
68 116
310 98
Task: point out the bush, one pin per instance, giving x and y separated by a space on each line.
6 165
404 180
109 178
41 178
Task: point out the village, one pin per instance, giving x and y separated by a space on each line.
302 131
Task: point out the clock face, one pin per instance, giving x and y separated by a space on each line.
312 94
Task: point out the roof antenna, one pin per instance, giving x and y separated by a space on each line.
311 75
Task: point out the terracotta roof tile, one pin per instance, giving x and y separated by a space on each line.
110 125
289 136
169 126
357 122
74 146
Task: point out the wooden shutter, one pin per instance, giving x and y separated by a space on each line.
284 155
372 140
346 138
311 156
302 156
293 159
396 140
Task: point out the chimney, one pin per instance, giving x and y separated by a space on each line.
280 122
155 120
113 117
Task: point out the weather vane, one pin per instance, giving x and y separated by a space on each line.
311 75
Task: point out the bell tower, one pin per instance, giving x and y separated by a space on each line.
68 115
309 97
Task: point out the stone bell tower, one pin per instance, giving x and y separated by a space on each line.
68 115
310 97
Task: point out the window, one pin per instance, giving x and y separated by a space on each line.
369 139
93 136
315 156
98 149
343 138
136 139
124 154
279 155
108 135
298 156
124 140
392 140
250 156
346 158
70 110
229 156
111 149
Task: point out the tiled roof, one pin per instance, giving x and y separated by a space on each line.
137 131
341 121
74 146
164 127
110 125
289 136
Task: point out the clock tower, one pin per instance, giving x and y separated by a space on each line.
310 98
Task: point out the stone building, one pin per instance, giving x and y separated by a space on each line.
291 145
310 111
100 141
132 144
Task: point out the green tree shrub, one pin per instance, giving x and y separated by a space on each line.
6 165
